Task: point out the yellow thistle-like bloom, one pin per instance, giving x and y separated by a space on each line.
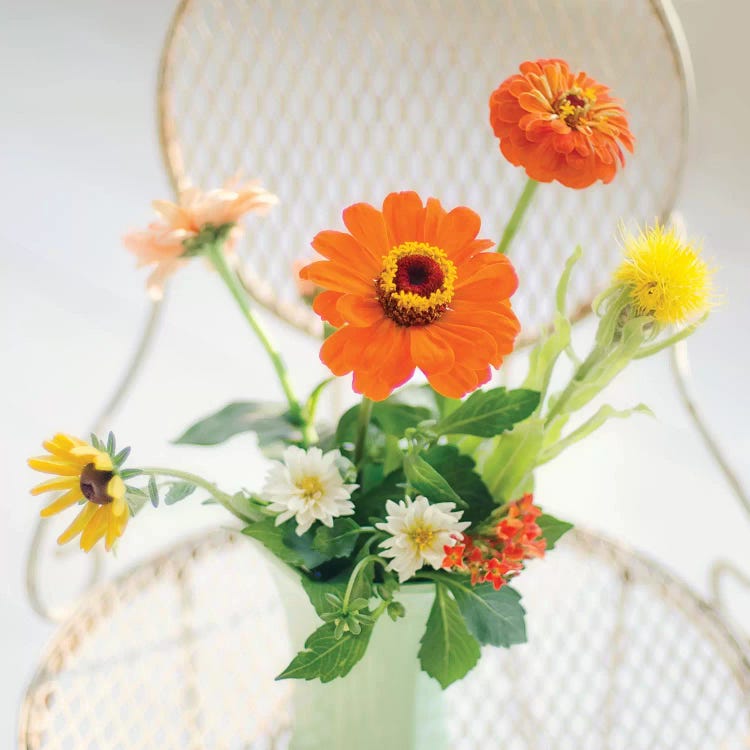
84 473
667 278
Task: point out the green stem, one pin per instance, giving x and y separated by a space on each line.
364 562
229 277
363 421
221 497
579 375
514 223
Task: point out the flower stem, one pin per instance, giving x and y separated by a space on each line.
514 223
221 497
363 421
580 374
361 565
229 277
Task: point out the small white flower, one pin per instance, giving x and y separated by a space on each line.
308 486
419 532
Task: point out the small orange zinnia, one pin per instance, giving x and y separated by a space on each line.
559 125
164 244
409 287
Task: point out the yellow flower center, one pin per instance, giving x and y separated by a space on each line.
422 537
311 486
416 283
574 104
667 277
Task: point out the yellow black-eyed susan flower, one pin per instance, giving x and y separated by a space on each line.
89 474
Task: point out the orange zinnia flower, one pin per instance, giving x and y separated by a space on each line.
410 287
559 125
163 243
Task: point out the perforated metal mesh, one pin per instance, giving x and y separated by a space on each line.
620 656
336 101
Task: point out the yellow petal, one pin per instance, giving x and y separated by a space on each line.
116 487
78 524
67 442
62 483
95 529
114 529
62 502
52 465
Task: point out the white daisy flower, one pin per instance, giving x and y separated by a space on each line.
419 532
308 486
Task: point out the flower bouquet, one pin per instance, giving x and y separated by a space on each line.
396 533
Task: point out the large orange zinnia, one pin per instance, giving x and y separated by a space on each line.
410 287
559 125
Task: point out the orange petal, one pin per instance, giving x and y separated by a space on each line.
433 217
431 352
459 227
325 305
359 311
473 346
404 217
343 248
337 278
367 226
343 350
471 249
455 383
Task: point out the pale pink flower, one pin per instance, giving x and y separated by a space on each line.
162 243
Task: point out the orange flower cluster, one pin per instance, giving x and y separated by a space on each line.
560 125
497 559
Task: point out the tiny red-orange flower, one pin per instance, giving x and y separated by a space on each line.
560 125
410 287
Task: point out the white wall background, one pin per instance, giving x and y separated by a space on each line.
79 162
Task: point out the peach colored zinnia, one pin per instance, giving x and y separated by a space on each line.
162 243
560 125
410 287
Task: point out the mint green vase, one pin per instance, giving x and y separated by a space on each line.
386 701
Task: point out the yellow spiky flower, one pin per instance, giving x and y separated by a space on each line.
89 474
667 278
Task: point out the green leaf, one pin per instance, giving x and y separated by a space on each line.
392 417
512 459
394 456
326 657
552 528
371 504
338 541
448 650
270 421
153 491
493 617
546 353
488 413
179 491
136 499
429 482
272 538
318 591
458 470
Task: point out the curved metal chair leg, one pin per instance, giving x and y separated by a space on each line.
59 613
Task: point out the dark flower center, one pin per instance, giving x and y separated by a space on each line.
94 484
575 100
418 274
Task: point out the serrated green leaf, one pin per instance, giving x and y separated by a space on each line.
429 482
493 617
284 542
319 593
179 491
448 651
489 413
271 422
458 470
153 492
552 529
512 459
338 541
135 499
326 657
392 417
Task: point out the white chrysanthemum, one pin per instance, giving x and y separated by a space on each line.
308 486
419 532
